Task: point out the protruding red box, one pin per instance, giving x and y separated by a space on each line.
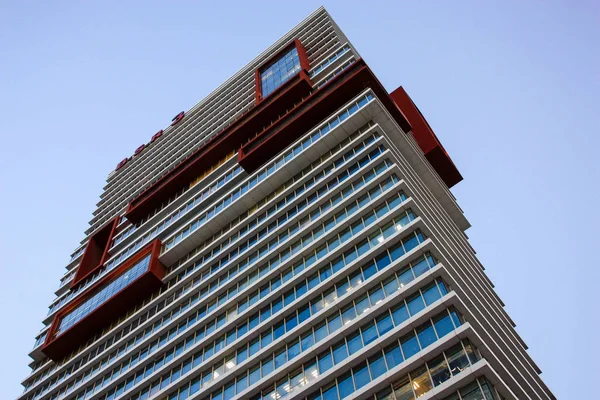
426 139
95 251
59 346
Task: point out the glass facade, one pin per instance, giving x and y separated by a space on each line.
376 365
480 389
102 295
279 72
261 218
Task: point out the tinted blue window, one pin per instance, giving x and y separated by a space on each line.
320 332
242 383
383 261
455 318
410 346
267 367
421 267
293 350
229 392
325 362
334 323
354 343
369 270
377 365
426 336
340 352
376 296
415 305
369 333
393 356
346 386
307 341
400 315
384 324
331 393
431 294
443 326
361 375
280 358
279 72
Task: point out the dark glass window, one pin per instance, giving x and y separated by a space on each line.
457 359
377 365
403 389
443 325
279 72
415 304
426 336
340 352
361 375
346 386
354 343
325 362
393 355
410 346
439 370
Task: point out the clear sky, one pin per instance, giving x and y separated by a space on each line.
510 87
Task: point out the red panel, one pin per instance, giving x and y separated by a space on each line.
95 251
62 345
313 110
219 146
427 139
304 65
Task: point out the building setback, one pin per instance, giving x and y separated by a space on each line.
291 236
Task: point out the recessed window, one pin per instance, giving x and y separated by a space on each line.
279 72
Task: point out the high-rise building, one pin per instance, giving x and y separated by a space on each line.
291 236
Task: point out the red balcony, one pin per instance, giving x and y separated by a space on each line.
147 280
427 139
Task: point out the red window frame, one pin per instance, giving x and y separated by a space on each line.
304 66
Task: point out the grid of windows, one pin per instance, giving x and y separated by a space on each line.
404 347
279 72
480 389
203 195
210 325
408 387
274 284
227 177
340 216
330 60
102 295
304 189
400 313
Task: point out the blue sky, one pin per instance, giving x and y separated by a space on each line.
510 87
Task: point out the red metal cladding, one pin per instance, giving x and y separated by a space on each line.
118 304
218 147
304 65
95 251
314 109
427 139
